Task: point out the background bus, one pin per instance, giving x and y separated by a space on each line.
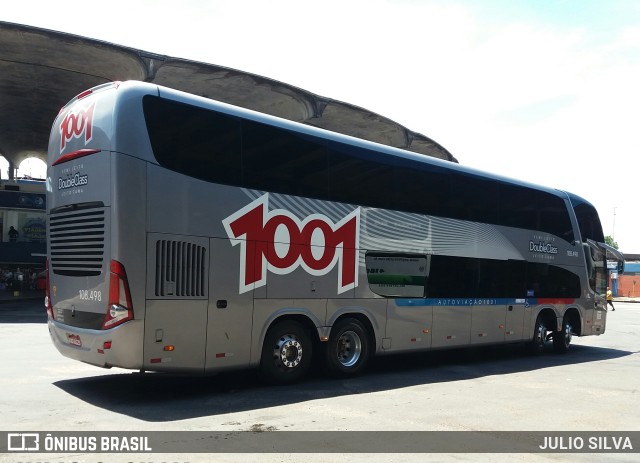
189 235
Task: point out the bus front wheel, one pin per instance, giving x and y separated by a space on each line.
347 351
286 352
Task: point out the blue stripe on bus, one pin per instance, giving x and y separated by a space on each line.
460 302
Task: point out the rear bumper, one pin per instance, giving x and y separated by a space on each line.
89 345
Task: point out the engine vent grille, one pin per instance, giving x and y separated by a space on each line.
77 242
180 269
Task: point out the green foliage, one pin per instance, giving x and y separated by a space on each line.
609 240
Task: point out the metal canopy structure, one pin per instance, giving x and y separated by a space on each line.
41 70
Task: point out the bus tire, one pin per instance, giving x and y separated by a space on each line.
348 349
562 338
536 345
286 353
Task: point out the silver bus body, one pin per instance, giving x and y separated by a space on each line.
155 266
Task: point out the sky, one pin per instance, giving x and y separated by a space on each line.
539 90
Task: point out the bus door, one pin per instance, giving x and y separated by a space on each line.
518 311
451 288
230 319
496 315
176 306
596 261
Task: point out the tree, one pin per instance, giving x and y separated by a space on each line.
609 240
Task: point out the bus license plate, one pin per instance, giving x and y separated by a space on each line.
74 339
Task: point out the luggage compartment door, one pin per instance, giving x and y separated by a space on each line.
177 298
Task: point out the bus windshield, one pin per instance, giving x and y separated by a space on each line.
596 267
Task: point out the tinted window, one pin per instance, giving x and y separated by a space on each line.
589 222
549 281
523 207
554 217
224 149
194 141
452 277
278 160
493 278
357 177
518 207
474 198
484 278
596 268
516 280
421 189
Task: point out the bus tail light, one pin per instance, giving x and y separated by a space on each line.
47 291
120 308
74 155
84 94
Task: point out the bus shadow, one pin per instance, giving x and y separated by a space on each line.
157 397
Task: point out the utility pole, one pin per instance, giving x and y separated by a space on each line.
613 233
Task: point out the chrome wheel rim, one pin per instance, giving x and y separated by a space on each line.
567 334
541 334
349 348
288 351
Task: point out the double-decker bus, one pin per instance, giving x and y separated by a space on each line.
189 235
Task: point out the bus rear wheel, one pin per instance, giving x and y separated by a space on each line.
286 353
562 338
347 352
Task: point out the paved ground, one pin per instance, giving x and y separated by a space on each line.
593 388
